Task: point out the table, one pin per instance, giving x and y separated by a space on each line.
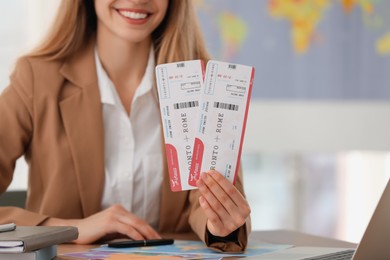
272 236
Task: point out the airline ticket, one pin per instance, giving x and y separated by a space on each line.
221 120
179 87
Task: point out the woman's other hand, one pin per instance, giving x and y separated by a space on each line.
225 207
111 221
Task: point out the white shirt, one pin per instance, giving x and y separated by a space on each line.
133 155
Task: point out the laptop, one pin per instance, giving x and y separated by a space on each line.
375 243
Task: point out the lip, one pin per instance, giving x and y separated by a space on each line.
134 16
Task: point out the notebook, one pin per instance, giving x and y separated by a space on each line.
45 253
373 245
29 238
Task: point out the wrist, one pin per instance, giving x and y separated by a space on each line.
59 222
232 237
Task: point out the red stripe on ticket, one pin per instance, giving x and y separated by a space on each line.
173 167
196 163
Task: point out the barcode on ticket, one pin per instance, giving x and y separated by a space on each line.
227 106
186 105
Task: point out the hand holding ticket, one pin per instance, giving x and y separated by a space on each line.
203 122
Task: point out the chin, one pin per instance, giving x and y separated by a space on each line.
139 40
136 37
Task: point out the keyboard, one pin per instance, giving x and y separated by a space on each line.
342 255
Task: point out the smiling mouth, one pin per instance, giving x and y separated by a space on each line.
133 14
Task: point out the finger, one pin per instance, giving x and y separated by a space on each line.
139 225
211 216
220 193
231 191
237 214
211 199
238 210
128 230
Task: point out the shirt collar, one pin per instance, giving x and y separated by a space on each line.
148 78
107 88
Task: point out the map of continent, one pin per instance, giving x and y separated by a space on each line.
233 33
304 16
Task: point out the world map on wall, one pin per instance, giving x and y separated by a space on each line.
307 34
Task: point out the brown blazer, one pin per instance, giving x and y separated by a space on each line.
51 113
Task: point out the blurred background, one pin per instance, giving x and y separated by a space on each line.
316 155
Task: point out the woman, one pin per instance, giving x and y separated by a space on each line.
82 109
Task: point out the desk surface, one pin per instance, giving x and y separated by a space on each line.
273 236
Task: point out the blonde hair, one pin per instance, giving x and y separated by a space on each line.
177 38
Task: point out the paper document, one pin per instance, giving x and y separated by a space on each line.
221 120
179 86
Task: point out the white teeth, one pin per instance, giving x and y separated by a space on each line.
133 15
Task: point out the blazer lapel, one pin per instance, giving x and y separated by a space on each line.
173 204
81 111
